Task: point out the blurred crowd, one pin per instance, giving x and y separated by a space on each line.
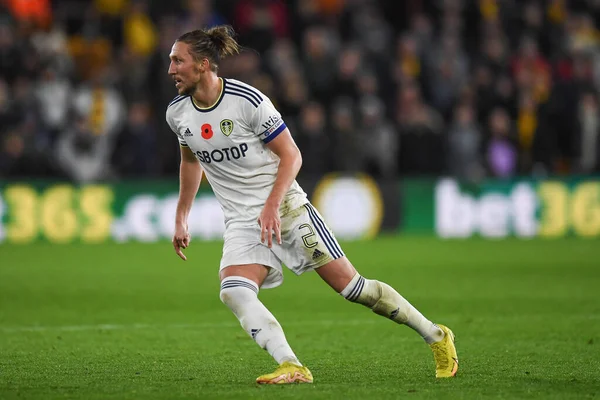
466 88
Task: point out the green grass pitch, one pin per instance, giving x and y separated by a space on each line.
132 321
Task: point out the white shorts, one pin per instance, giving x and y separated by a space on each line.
307 243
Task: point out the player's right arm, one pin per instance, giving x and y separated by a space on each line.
190 175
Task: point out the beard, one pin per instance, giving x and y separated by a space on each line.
186 90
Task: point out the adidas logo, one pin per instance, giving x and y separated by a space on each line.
187 132
317 253
254 332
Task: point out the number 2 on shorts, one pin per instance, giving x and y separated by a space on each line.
309 238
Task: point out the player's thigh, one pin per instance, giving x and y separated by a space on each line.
244 255
337 273
255 272
308 243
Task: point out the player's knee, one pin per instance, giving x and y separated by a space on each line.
363 291
236 292
226 295
378 296
235 295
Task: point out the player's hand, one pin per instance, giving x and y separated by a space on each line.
181 240
270 224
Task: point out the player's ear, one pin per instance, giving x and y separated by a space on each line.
203 65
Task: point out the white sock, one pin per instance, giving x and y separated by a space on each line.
386 301
241 296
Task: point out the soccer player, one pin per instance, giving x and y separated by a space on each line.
233 133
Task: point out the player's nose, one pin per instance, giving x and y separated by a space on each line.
171 70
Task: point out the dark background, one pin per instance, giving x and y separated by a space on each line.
465 88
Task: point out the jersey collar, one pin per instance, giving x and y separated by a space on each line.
207 109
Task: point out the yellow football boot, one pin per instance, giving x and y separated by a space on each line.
286 373
444 352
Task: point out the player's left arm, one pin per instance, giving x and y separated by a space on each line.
290 161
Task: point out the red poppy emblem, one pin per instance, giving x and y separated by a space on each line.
207 131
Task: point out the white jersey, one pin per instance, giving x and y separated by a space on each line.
229 141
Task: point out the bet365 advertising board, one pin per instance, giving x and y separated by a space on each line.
548 208
145 210
65 213
355 207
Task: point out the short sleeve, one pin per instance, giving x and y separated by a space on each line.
173 126
267 122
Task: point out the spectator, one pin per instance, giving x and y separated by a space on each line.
527 124
293 93
453 68
421 129
101 104
19 156
85 148
379 136
7 113
422 32
531 70
408 62
588 137
12 158
313 140
319 61
11 54
261 22
367 83
483 81
464 145
83 155
347 144
504 95
135 143
501 153
36 12
53 94
200 14
349 63
139 31
370 30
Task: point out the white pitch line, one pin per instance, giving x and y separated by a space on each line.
117 327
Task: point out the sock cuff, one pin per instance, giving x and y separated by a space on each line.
354 288
239 281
